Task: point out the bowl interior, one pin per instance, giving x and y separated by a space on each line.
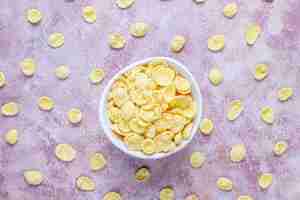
106 125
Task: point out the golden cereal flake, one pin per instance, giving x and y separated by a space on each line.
236 107
34 16
186 133
163 76
267 115
74 115
167 193
206 126
11 137
216 43
215 76
62 72
151 132
230 10
238 152
65 152
224 184
33 177
245 197
45 103
148 146
177 43
182 85
10 109
261 71
138 29
114 114
253 31
28 66
197 159
129 110
112 196
56 40
123 4
142 174
169 92
96 75
284 93
280 147
116 41
85 183
97 161
2 79
178 138
136 127
181 101
265 180
134 142
191 197
89 14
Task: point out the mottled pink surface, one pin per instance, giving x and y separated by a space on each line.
86 46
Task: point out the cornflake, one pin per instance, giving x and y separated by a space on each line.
167 193
56 40
74 116
85 183
206 126
238 152
2 79
34 16
138 29
230 10
265 180
11 137
28 66
89 14
253 31
62 72
216 43
224 184
116 40
267 115
112 196
33 177
142 174
123 4
245 197
97 161
177 43
45 103
236 107
65 152
10 109
280 147
96 75
284 93
197 159
261 71
215 76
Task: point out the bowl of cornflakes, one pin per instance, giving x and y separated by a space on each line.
152 108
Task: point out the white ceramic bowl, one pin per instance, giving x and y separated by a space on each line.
106 125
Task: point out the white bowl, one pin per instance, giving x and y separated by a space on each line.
106 125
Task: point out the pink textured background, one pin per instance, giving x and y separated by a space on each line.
86 46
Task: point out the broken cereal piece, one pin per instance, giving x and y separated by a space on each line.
65 152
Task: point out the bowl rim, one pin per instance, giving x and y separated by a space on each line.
105 123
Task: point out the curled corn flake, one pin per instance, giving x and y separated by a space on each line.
97 161
62 72
261 71
65 152
56 40
112 196
224 184
123 4
45 103
138 29
169 92
33 177
191 197
116 40
148 146
206 126
238 152
134 142
2 79
280 148
245 197
74 116
34 16
253 31
163 76
11 137
284 93
167 193
96 75
10 109
89 14
85 183
215 76
142 174
216 43
236 107
182 85
267 115
197 159
265 180
28 66
181 102
177 43
135 126
230 10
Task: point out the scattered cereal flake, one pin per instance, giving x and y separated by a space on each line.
261 71
238 152
34 16
163 76
138 29
65 152
56 40
96 75
148 146
62 72
253 31
123 4
230 10
11 137
245 197
2 79
167 193
112 196
28 66
199 1
45 103
267 115
280 147
192 197
206 126
74 116
236 107
142 174
10 109
285 93
89 14
197 159
97 161
116 40
85 183
216 43
182 84
33 177
134 142
224 184
215 76
265 180
177 43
